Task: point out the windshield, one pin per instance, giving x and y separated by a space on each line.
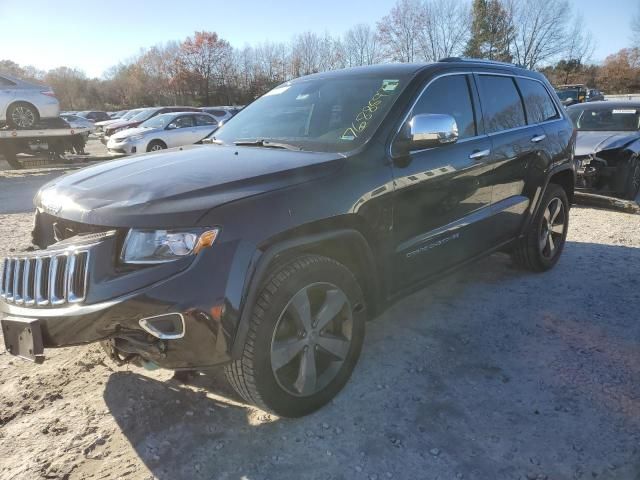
329 115
606 119
567 94
143 115
160 121
128 115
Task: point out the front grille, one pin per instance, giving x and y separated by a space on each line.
48 279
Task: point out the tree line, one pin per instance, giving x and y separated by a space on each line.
205 69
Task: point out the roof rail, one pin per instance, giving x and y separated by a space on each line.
478 60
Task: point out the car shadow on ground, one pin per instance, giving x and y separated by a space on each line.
492 372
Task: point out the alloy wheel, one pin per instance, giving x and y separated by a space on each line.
23 117
312 339
156 148
553 228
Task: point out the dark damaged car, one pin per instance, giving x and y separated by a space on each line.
608 147
313 209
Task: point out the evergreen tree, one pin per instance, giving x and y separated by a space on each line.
491 31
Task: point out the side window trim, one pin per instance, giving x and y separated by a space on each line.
404 118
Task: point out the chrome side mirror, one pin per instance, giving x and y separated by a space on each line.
428 130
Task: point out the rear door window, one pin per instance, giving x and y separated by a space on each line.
205 120
501 103
450 95
540 108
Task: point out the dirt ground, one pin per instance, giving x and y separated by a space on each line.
492 373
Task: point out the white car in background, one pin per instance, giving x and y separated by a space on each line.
222 114
167 130
76 121
23 104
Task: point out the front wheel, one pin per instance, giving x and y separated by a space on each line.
156 146
541 247
305 337
22 115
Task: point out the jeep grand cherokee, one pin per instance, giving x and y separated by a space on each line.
312 209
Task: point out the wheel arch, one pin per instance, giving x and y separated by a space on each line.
348 246
566 179
155 140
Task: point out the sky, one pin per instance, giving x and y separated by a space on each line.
92 36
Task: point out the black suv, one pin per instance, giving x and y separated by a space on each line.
313 209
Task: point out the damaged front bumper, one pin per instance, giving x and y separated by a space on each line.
75 293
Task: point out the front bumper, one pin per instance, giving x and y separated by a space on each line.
125 148
118 298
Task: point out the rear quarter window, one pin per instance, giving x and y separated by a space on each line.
501 103
538 104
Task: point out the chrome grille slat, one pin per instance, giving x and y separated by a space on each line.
17 276
48 279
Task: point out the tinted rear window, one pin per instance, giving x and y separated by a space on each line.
540 107
501 103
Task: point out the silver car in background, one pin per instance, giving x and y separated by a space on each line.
23 104
167 130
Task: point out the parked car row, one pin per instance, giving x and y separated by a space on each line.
162 131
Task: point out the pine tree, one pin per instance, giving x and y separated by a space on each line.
491 31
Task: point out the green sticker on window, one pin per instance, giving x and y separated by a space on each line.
390 85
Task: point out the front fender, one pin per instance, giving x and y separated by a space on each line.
262 261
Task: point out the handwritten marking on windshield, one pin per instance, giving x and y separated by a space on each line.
365 115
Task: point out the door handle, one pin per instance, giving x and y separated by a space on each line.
479 154
538 138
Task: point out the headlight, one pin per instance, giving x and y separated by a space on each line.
161 246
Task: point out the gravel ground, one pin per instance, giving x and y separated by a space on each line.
492 373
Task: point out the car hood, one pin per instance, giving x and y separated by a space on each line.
593 142
132 131
125 124
175 188
106 123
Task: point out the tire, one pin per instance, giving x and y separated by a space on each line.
22 115
156 146
283 370
9 152
542 245
632 179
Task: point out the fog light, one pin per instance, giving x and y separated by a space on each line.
169 326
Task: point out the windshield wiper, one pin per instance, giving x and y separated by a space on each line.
266 144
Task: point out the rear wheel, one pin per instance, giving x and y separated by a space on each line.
22 115
156 146
541 247
305 337
632 181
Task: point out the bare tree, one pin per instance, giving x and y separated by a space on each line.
361 46
305 51
205 55
445 29
541 31
400 31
